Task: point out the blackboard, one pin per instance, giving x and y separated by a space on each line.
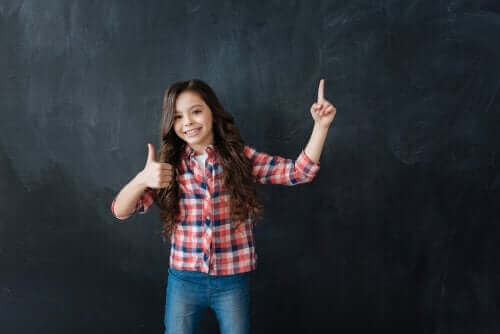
399 230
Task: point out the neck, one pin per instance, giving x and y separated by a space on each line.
199 148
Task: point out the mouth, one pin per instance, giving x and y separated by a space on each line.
192 132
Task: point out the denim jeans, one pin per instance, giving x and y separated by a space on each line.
189 293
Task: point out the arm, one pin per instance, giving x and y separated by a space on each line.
138 194
315 145
323 113
134 197
278 170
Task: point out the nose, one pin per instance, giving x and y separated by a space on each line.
187 120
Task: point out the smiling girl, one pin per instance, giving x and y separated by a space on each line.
203 181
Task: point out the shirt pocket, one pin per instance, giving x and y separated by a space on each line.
188 184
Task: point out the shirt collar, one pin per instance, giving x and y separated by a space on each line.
191 153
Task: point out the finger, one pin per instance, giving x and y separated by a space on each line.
151 153
166 175
164 184
164 178
321 91
166 172
319 106
166 166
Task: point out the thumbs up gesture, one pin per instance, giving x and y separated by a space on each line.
156 174
323 112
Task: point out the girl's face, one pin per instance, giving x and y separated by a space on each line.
192 113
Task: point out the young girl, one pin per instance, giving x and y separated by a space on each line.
203 183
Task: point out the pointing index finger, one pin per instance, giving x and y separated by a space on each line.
321 90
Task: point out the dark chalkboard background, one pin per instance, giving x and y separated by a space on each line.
399 231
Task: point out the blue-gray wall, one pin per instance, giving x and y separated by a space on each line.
399 231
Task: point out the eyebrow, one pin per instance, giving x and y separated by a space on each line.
194 105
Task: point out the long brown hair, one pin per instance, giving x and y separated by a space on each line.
228 144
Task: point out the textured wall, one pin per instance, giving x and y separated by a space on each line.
398 232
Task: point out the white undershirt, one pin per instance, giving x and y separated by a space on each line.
201 159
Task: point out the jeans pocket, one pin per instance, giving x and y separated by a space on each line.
177 273
187 275
234 280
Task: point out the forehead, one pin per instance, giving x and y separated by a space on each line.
186 100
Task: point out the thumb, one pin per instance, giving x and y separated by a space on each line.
151 153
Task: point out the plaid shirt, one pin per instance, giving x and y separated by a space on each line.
204 239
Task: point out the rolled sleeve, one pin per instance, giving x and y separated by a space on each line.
142 205
306 165
274 169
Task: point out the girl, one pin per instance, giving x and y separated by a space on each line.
203 183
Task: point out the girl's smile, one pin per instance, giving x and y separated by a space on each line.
192 133
193 121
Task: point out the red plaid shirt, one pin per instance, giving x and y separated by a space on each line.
204 239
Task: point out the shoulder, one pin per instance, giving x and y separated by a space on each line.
249 151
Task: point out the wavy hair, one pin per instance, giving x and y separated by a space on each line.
228 144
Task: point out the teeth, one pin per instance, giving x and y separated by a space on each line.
192 132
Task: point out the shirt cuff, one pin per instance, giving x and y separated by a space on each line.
113 211
308 166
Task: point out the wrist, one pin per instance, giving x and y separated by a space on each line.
139 180
318 126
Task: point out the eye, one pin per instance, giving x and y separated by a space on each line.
197 111
177 116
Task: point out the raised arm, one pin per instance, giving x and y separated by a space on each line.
323 113
279 170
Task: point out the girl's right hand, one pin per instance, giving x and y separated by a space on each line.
156 174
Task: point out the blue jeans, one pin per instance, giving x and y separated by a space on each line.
189 293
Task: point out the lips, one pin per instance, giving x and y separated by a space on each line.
192 132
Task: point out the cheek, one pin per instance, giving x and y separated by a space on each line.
207 125
177 129
208 121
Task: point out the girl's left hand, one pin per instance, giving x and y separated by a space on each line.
323 112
